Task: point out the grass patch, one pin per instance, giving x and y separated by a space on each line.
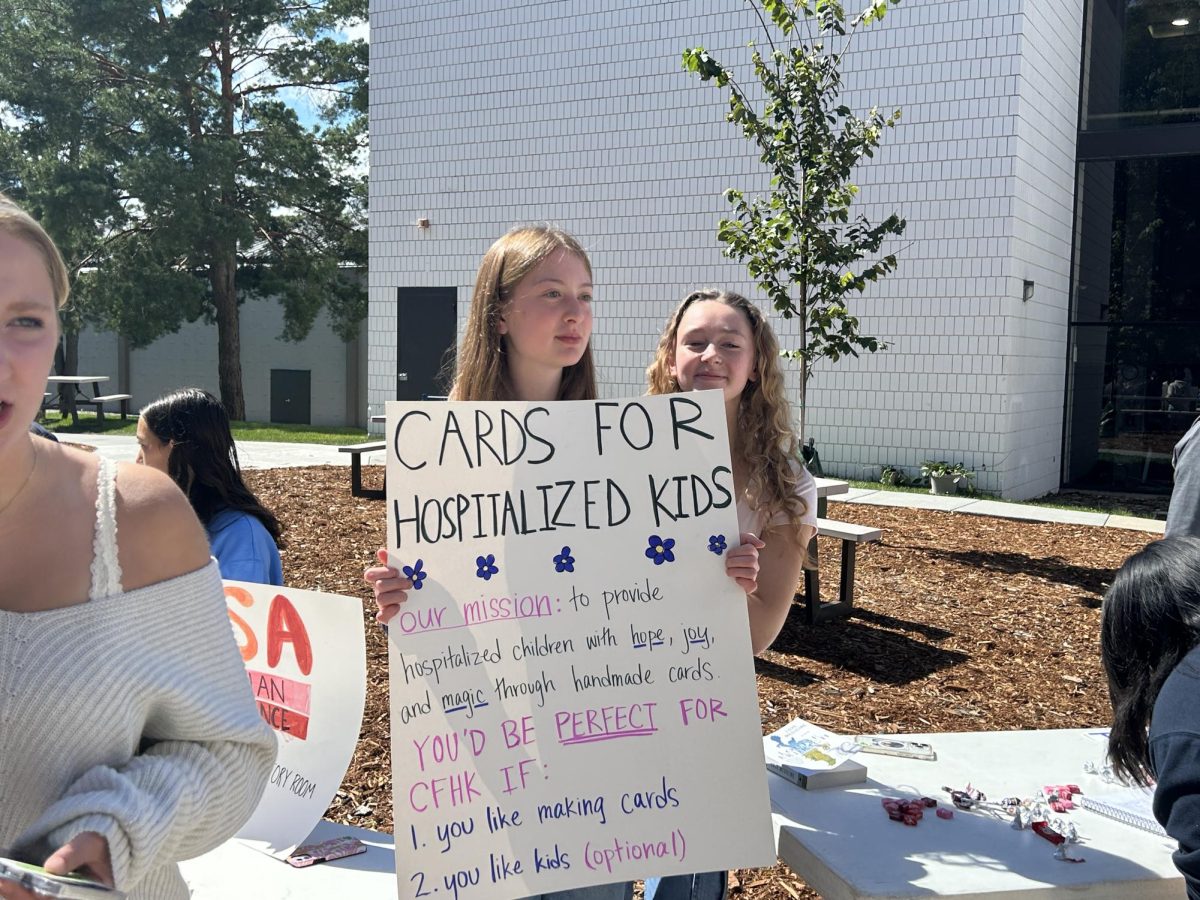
242 431
899 488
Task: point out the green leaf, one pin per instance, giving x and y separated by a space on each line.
802 241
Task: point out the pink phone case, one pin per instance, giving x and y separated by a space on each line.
335 848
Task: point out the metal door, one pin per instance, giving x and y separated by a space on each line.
291 396
426 328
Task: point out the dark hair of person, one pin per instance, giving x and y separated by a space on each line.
1150 622
203 460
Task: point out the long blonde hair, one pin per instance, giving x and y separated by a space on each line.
481 371
765 439
20 224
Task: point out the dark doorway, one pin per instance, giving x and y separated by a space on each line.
291 396
426 327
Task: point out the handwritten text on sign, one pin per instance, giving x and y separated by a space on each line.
572 686
305 656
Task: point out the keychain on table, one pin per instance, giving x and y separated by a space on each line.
1058 839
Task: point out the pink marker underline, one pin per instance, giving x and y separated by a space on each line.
480 622
608 736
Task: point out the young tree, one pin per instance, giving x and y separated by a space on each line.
800 242
157 141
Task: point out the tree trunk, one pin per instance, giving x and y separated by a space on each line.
66 362
229 337
803 395
223 266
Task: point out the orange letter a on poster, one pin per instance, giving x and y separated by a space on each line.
285 624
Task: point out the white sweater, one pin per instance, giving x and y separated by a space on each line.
130 715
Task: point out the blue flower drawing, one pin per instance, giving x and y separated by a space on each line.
716 543
486 566
416 574
660 550
564 562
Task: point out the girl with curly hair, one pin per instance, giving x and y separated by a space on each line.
718 340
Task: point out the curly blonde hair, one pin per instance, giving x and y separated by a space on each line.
481 370
765 438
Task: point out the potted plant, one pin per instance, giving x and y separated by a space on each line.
944 476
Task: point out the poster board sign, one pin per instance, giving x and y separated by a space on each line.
306 657
572 683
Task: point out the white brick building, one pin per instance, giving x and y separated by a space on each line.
488 113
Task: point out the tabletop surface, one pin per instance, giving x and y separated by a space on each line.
842 843
76 379
235 870
828 486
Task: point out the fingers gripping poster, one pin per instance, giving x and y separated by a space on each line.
305 655
572 685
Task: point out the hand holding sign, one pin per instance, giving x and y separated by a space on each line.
390 586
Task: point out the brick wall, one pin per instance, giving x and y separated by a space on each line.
510 111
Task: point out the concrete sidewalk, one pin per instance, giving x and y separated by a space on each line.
251 454
1003 509
268 455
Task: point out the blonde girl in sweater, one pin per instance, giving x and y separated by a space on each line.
129 738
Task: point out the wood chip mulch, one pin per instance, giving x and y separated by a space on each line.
963 623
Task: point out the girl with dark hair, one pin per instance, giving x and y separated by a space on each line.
1150 646
186 434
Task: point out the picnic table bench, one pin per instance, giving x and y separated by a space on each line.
851 536
99 400
356 451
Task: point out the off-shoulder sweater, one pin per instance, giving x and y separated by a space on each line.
130 715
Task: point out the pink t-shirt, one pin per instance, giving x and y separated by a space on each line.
750 519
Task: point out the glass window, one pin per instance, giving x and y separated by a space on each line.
1143 63
1135 335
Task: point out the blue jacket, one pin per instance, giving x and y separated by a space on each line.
1175 758
243 548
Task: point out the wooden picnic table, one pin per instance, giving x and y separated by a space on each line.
68 401
825 488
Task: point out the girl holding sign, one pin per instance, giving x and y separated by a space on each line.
527 338
718 340
129 737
